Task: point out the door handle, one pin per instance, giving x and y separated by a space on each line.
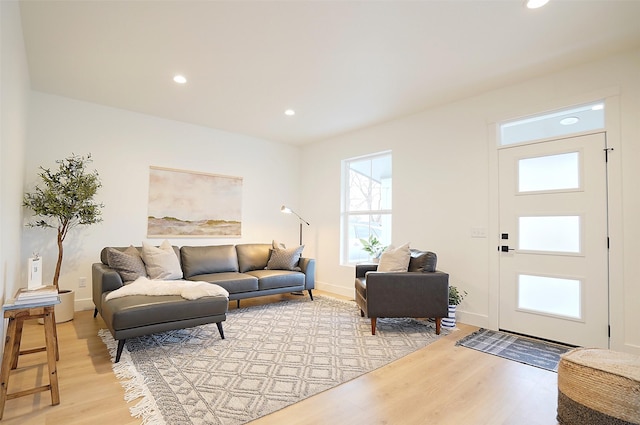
505 248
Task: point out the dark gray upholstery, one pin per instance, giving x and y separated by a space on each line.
271 279
422 261
232 282
208 259
401 294
253 256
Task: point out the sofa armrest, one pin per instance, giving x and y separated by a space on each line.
407 293
103 279
308 267
362 269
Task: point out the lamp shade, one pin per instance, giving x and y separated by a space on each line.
288 210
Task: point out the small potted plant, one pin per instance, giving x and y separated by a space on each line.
64 200
455 298
373 247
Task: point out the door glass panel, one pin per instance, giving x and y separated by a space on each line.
549 295
553 172
549 233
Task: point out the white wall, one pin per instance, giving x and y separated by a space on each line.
444 185
14 94
123 145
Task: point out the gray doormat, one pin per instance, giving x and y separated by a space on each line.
529 351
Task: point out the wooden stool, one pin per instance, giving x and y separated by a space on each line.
598 387
17 314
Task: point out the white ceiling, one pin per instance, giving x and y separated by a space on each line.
342 65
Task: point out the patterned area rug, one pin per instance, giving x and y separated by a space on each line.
524 350
274 355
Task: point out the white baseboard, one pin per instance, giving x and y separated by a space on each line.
474 319
336 289
83 304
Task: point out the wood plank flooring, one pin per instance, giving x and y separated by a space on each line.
440 384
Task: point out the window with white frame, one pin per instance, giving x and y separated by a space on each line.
366 204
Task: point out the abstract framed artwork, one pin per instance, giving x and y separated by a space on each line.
193 204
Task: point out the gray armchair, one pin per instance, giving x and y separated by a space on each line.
420 292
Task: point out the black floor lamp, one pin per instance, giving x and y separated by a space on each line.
288 210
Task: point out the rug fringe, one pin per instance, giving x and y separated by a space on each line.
134 384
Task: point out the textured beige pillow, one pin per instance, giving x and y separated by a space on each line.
395 259
161 263
285 258
127 263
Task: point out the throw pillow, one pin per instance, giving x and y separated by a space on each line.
285 258
161 262
275 244
422 261
395 259
127 263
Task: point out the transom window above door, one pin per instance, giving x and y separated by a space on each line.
562 122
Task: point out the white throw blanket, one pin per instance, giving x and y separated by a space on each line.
185 288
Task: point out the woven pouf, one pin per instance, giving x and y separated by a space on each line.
598 387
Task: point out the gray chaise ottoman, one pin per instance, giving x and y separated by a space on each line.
137 315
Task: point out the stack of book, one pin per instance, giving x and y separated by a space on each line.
42 295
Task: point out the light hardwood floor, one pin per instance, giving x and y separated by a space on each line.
440 384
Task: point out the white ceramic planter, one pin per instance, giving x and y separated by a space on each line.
450 322
64 310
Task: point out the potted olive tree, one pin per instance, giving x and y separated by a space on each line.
455 298
63 200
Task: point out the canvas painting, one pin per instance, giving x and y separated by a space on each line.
192 204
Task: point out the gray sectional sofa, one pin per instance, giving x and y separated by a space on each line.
243 270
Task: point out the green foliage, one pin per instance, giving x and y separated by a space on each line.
372 246
455 296
64 199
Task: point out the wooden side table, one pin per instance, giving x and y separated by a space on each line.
17 314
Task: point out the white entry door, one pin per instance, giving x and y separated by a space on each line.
554 242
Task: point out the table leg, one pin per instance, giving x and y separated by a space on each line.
7 362
16 346
50 338
55 333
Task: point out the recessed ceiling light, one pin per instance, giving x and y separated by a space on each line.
569 120
597 107
289 112
534 4
180 79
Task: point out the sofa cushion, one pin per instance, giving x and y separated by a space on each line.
161 262
233 282
285 258
422 261
253 256
272 279
395 259
127 263
198 260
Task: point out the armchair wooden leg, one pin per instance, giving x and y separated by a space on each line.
438 324
373 326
